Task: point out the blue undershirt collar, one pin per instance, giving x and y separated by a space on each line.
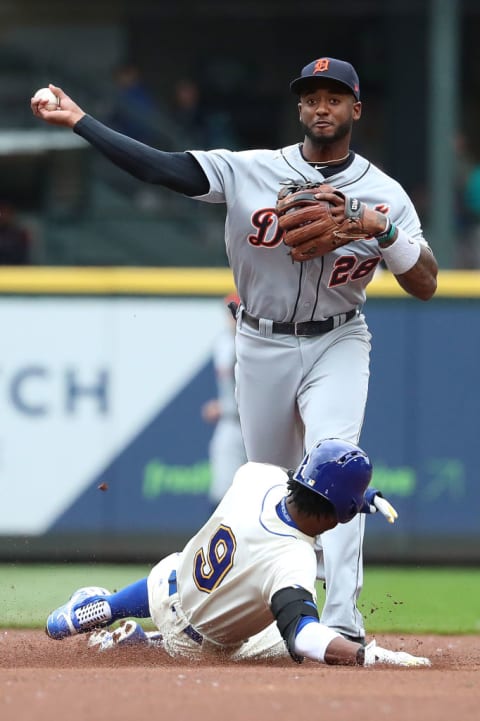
283 514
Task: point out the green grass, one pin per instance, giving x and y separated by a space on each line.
29 592
421 600
400 600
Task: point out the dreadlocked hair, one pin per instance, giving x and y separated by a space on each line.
308 502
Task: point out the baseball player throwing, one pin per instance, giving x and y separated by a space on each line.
252 563
302 340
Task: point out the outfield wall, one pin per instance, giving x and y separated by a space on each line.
102 376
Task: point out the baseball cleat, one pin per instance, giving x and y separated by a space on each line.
87 609
128 633
375 654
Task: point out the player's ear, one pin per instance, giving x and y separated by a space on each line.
357 110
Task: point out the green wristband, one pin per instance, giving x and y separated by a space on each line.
387 234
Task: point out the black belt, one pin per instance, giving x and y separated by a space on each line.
308 328
188 630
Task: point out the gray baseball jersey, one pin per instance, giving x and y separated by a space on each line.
269 284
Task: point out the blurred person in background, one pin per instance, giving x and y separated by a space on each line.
134 110
471 205
226 449
15 239
189 115
467 204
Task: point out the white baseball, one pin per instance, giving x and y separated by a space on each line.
46 94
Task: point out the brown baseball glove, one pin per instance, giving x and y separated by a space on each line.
317 218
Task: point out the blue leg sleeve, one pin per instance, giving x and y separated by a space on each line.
130 601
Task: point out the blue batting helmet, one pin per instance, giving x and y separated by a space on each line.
340 472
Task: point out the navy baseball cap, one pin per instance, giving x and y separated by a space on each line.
338 70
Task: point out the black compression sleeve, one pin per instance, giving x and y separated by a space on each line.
177 171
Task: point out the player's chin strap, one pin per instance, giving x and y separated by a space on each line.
289 606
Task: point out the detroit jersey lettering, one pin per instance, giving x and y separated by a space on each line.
248 182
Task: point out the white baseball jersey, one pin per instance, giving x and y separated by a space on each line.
269 283
229 571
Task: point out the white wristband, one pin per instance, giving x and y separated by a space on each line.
313 640
402 254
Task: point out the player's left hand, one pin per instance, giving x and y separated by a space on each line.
386 509
317 218
374 501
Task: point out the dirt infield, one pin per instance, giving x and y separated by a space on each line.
44 680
